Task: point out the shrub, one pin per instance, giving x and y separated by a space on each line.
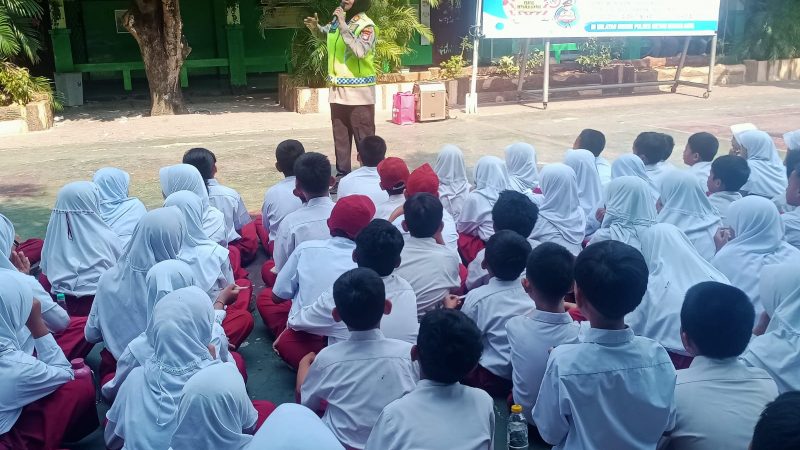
18 86
507 66
597 54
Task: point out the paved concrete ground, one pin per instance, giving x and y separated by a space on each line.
243 132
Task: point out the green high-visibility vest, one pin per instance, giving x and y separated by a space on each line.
345 68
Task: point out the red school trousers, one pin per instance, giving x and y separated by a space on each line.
294 345
267 275
72 339
235 258
240 365
238 324
248 243
273 314
494 385
32 248
468 247
263 235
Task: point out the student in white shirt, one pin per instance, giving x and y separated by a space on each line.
728 174
613 389
513 211
791 220
655 149
700 150
561 218
590 190
491 306
595 142
777 427
718 398
365 180
312 269
429 267
629 211
548 279
279 200
452 173
358 377
393 174
378 247
491 178
440 413
767 173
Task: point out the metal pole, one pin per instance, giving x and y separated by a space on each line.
711 63
522 67
546 80
472 97
680 65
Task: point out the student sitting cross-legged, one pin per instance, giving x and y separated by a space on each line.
394 175
613 390
279 200
357 378
448 347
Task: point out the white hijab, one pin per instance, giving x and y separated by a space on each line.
559 203
206 258
758 242
453 184
776 350
792 140
685 205
214 410
631 165
119 211
675 266
767 173
294 427
144 413
521 164
78 245
630 210
185 177
121 304
491 178
590 188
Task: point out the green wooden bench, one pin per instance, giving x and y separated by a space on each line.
127 67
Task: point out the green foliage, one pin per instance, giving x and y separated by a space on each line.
535 60
18 86
453 67
773 30
597 53
18 34
507 66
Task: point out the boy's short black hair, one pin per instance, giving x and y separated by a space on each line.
516 212
372 150
203 160
732 171
612 277
550 268
448 345
378 247
286 153
729 333
655 147
423 215
313 172
777 427
705 145
792 162
359 296
506 254
592 140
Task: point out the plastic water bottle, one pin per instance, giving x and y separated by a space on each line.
517 429
81 369
61 299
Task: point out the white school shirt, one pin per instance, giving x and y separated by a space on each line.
603 169
363 181
307 223
449 233
358 378
384 210
791 224
401 324
279 201
436 416
431 269
721 201
478 220
491 306
701 170
230 203
718 404
531 337
613 390
477 276
312 269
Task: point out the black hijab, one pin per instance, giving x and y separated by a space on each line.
359 6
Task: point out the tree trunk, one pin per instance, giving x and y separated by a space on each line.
158 29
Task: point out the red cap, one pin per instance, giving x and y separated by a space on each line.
350 215
423 179
393 172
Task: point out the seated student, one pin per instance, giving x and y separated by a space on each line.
453 184
728 175
491 306
215 412
700 150
279 200
43 403
767 174
357 378
393 174
522 170
629 165
448 348
314 266
590 189
561 218
683 203
365 180
777 427
791 220
675 266
718 398
294 427
119 211
513 211
595 142
430 268
144 412
78 247
475 220
548 279
378 247
629 211
654 149
613 389
791 161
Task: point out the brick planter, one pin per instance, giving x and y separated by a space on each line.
16 119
